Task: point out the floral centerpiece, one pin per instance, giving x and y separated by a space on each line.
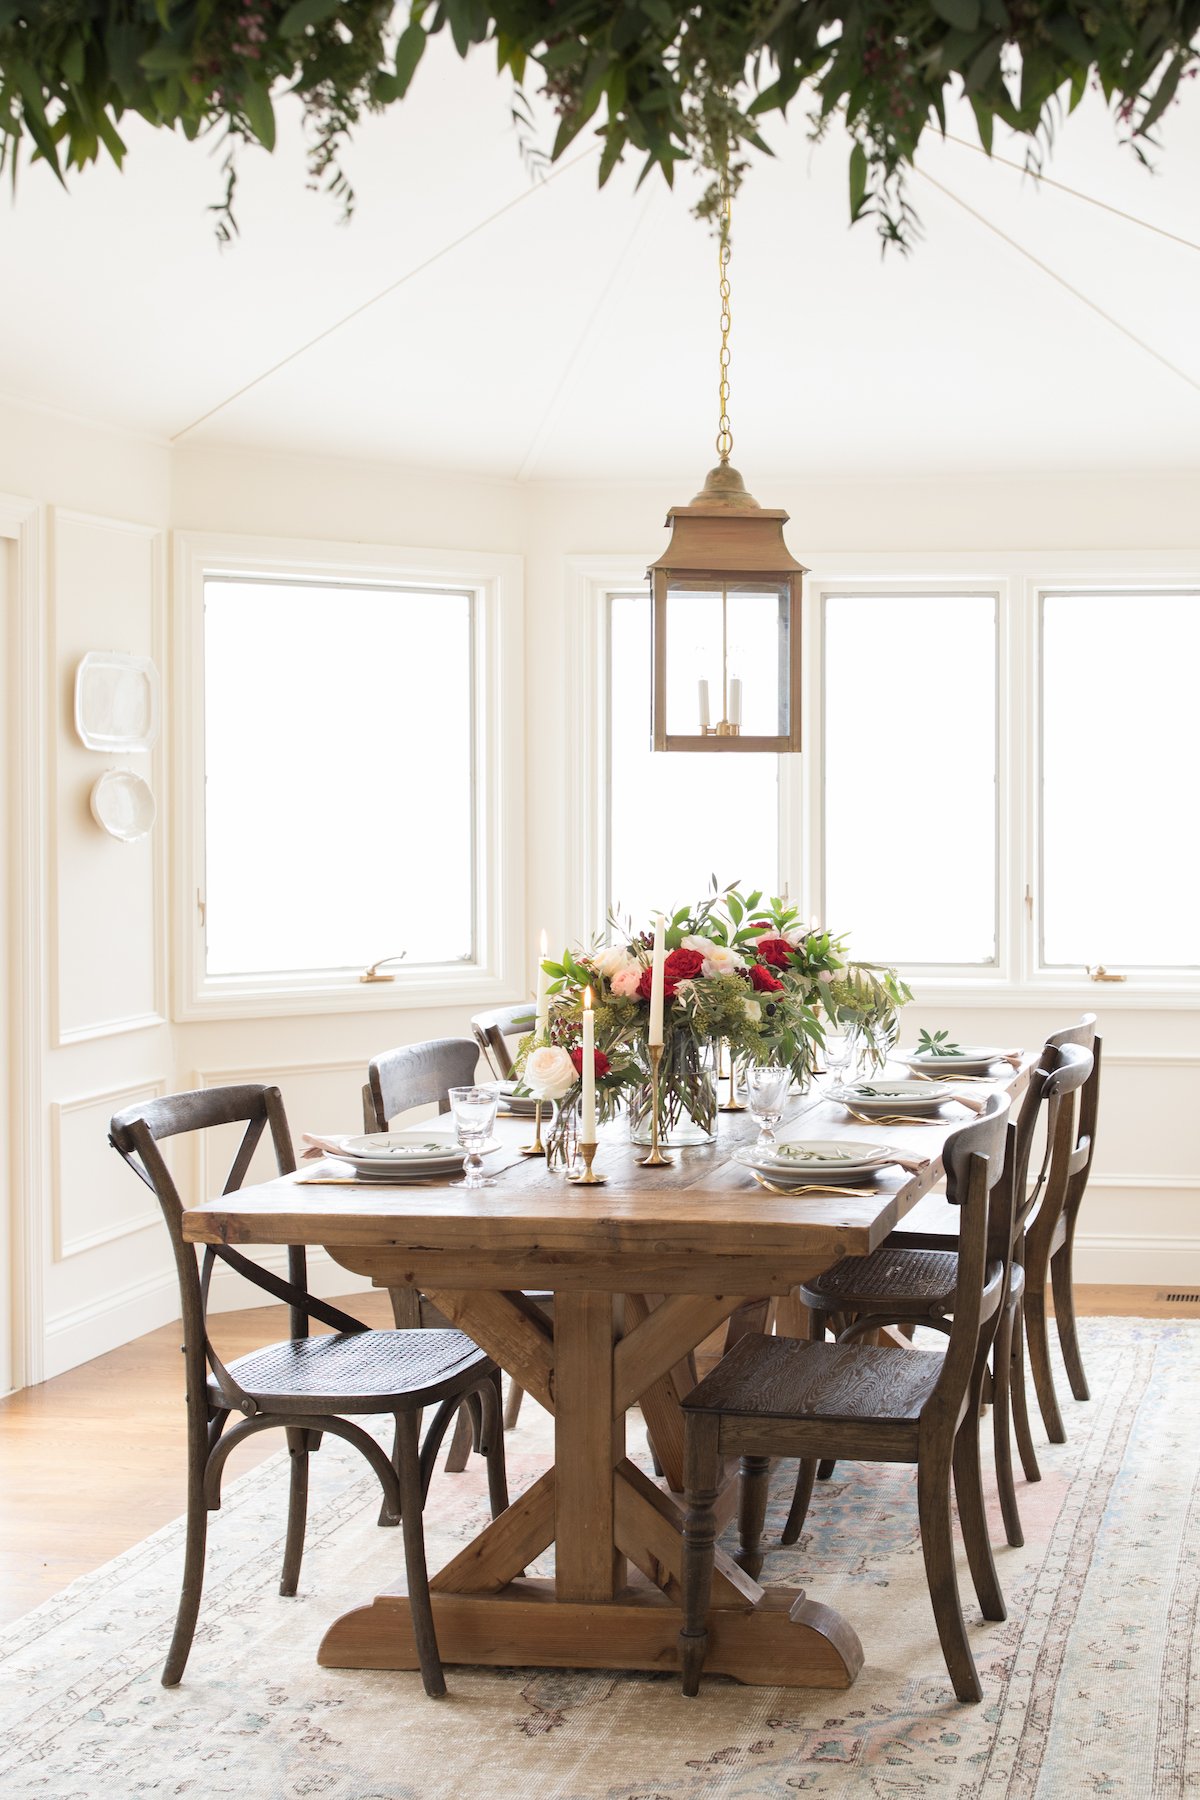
737 968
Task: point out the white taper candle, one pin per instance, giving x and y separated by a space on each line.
542 1017
657 981
588 1122
735 701
704 716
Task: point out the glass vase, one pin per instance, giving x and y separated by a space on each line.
687 1097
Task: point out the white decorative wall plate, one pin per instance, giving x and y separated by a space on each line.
116 701
123 805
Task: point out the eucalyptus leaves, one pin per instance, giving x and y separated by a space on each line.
667 82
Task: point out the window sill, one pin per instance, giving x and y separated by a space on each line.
237 997
977 992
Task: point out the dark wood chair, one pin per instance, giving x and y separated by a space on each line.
1050 1237
305 1385
774 1396
913 1283
493 1029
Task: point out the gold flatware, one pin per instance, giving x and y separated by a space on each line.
835 1192
892 1118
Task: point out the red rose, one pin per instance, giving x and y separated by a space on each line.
776 951
763 981
647 981
682 965
600 1062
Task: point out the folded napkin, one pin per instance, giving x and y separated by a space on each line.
323 1146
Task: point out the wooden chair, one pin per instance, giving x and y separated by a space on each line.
1050 1237
305 1385
774 1396
911 1283
492 1031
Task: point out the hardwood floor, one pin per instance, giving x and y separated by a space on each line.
93 1461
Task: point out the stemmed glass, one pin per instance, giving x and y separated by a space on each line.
474 1111
766 1095
841 1043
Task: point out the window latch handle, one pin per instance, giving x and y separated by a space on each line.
372 974
1098 972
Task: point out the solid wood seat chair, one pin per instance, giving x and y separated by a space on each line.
774 1396
304 1385
493 1029
917 1286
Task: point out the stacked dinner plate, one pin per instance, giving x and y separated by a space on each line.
968 1059
519 1105
802 1162
883 1096
402 1155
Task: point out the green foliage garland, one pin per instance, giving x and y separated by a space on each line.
670 83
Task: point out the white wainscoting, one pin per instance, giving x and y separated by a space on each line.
94 1201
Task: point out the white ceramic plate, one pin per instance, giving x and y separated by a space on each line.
814 1160
521 1105
406 1148
116 701
973 1059
883 1096
123 805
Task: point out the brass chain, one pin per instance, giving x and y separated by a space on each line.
724 429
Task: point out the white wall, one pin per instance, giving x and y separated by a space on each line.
101 1271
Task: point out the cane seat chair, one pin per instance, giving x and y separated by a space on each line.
917 1286
776 1396
305 1385
421 1075
492 1031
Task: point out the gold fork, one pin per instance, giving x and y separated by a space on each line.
891 1118
836 1192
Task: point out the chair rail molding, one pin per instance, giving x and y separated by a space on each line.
22 521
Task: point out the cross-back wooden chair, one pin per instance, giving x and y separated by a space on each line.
493 1029
303 1385
908 1282
776 1396
1050 1237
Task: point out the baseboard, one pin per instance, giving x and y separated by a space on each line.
1120 1261
88 1331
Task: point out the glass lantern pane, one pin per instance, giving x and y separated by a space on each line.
733 636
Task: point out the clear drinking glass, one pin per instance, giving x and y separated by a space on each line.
766 1095
474 1111
841 1042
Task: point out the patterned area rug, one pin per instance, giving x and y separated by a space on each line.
1087 1685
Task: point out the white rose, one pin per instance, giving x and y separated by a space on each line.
609 960
720 959
549 1073
703 944
753 1010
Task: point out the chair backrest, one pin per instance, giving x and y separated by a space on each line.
978 1162
1073 1143
493 1029
1063 1070
137 1133
416 1075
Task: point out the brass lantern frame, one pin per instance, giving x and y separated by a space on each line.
725 536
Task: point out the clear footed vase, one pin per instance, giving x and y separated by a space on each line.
687 1097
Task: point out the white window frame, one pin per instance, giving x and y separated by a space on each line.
495 584
1018 578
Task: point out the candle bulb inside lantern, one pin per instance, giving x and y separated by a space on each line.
735 701
657 982
704 713
542 1017
588 1122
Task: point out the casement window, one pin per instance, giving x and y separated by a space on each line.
346 796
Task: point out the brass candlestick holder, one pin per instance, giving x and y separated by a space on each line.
657 1158
588 1178
732 1104
537 1148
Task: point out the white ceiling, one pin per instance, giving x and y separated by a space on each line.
574 336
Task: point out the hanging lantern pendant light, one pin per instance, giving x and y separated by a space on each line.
726 578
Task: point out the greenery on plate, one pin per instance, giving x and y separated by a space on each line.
936 1045
670 83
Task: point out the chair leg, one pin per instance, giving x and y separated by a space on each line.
193 1578
413 1523
937 1547
752 1512
1064 1316
699 1536
1002 1427
1039 1361
806 1474
512 1406
825 1469
1020 1401
493 1444
293 1548
461 1442
972 1517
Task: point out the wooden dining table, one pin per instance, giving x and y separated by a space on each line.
642 1269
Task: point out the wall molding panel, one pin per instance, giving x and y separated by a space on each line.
68 1243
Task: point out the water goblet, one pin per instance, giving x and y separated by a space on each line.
840 1046
474 1111
766 1095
